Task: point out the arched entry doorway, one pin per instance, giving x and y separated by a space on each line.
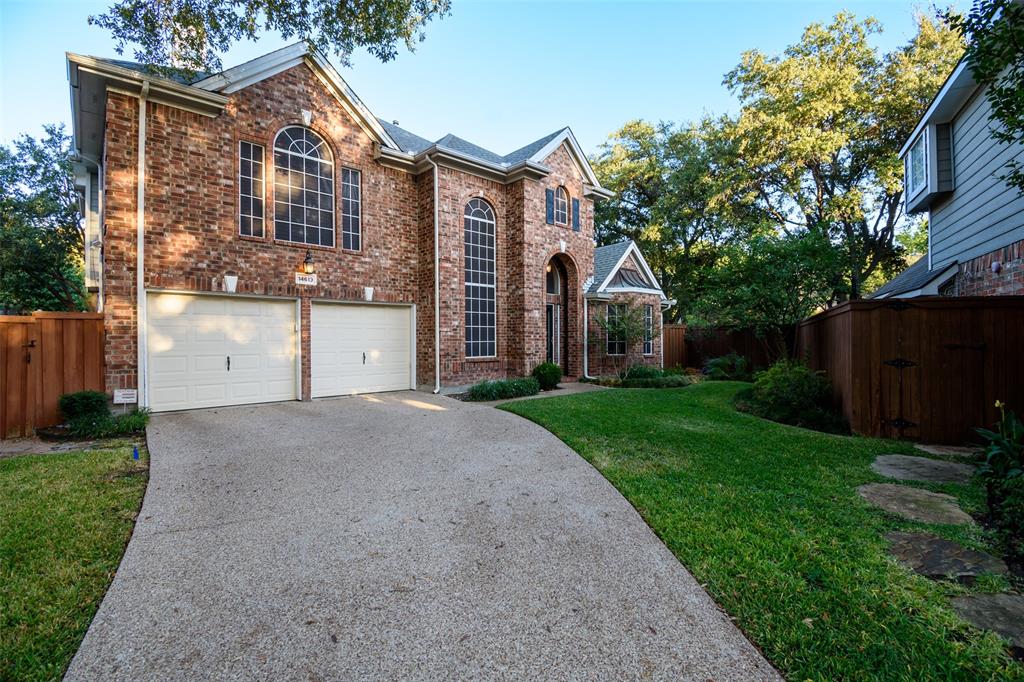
556 319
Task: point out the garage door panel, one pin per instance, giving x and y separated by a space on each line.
339 336
190 338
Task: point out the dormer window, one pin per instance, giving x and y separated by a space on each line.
917 169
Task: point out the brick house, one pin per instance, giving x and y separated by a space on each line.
953 170
258 235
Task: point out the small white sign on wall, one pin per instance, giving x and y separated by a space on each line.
126 396
305 280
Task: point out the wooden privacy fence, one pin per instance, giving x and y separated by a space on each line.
692 347
674 345
928 369
43 356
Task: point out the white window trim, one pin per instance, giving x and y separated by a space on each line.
494 224
562 198
359 209
334 189
608 339
648 329
263 184
913 192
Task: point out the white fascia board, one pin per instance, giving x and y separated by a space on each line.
350 98
574 146
953 93
130 80
632 249
254 70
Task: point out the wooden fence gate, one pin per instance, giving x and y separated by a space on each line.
43 356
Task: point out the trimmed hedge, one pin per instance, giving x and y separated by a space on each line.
645 372
84 404
547 374
503 389
105 426
789 392
666 381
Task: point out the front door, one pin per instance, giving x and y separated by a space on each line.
553 324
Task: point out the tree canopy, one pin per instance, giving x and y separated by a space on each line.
191 34
41 237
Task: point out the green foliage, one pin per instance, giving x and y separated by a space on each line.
676 197
769 283
644 372
731 367
664 381
108 426
41 237
767 517
503 389
994 30
189 34
789 392
84 404
547 374
820 129
1003 474
625 322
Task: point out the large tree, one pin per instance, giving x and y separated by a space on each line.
994 30
676 196
820 128
41 235
191 34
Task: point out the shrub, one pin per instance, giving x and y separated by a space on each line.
83 404
668 381
547 374
644 372
731 367
789 392
1003 474
105 426
503 389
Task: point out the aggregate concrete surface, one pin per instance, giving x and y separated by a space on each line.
395 536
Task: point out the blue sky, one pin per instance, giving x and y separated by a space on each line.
499 74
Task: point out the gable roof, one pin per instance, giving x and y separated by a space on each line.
608 261
916 277
397 146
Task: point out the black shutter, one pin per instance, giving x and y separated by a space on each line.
549 206
575 215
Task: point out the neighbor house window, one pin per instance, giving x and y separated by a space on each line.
250 189
916 171
351 205
561 206
479 242
616 344
648 330
303 188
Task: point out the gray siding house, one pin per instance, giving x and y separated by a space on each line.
952 169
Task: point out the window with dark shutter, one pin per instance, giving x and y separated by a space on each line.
575 215
549 206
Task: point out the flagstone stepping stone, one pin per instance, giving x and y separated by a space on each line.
950 450
908 468
938 558
914 504
1002 613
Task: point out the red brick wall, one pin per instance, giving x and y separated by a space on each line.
976 278
192 237
602 364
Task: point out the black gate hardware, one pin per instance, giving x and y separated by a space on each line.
900 363
900 423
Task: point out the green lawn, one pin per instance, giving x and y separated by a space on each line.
767 517
65 519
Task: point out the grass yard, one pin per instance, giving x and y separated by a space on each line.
767 517
65 519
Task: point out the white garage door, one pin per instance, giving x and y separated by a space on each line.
207 351
360 348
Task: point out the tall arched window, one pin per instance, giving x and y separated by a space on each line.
303 188
481 320
561 206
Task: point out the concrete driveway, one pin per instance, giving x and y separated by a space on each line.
397 536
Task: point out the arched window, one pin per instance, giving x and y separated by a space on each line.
303 188
561 206
481 320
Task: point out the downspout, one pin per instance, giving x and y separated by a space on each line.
586 344
140 244
437 282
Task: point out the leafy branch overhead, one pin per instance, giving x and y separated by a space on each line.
192 34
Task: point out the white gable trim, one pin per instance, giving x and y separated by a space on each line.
648 273
261 68
575 150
